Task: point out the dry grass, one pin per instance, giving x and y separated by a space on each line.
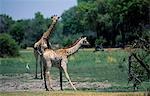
72 93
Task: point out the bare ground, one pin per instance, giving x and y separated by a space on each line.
26 82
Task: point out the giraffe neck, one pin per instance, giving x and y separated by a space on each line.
50 29
73 49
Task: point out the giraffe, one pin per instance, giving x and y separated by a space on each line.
59 58
40 43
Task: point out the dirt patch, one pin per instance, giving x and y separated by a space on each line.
26 82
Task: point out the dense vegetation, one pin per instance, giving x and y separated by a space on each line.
8 46
115 21
111 23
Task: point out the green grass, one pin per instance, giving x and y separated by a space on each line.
84 66
17 65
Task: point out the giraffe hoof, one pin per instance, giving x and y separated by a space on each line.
75 89
35 78
47 89
52 89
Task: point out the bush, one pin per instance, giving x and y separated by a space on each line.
67 42
100 41
8 46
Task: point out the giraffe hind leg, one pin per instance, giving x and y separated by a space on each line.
67 76
45 83
60 73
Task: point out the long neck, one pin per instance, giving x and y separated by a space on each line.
50 29
73 49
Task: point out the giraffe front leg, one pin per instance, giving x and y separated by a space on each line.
36 70
49 79
48 65
37 59
67 75
41 69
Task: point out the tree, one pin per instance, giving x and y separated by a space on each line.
81 1
71 22
95 17
139 66
5 23
34 28
17 31
129 16
8 46
39 25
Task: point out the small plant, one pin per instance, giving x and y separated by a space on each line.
8 46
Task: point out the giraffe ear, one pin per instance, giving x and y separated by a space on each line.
83 36
52 16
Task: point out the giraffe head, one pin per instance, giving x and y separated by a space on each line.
83 41
41 45
55 18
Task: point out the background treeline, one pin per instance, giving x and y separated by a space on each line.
111 23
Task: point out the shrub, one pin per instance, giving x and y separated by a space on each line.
67 42
8 46
100 41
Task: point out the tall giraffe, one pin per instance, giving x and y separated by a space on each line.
43 42
59 59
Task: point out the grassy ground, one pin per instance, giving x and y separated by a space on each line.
84 66
72 93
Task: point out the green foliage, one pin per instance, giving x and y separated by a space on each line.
71 22
118 39
146 34
5 23
8 46
110 19
139 62
117 21
17 30
80 1
34 29
137 68
39 25
100 41
67 41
